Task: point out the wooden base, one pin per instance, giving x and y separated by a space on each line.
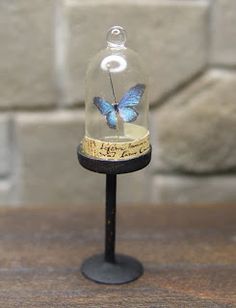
188 252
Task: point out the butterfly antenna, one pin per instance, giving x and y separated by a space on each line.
112 86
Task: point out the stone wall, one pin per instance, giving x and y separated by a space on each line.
190 52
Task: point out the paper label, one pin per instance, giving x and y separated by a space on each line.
116 150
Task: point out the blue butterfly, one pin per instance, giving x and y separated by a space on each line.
125 108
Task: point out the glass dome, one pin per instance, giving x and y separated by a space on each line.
116 104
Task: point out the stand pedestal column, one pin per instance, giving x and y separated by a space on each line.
110 229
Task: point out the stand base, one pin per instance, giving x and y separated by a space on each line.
125 269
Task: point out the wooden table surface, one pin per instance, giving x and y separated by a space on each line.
188 252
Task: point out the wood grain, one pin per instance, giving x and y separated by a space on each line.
189 255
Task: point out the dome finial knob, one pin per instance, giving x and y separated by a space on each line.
116 37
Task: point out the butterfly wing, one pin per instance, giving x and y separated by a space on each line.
126 106
132 97
128 114
112 119
103 106
107 110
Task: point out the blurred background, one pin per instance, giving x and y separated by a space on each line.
189 47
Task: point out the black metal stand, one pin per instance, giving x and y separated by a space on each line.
111 268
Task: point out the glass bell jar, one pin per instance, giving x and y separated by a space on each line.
116 104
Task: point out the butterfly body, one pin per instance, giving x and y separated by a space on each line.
116 108
125 108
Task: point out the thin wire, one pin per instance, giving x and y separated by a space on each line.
112 86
